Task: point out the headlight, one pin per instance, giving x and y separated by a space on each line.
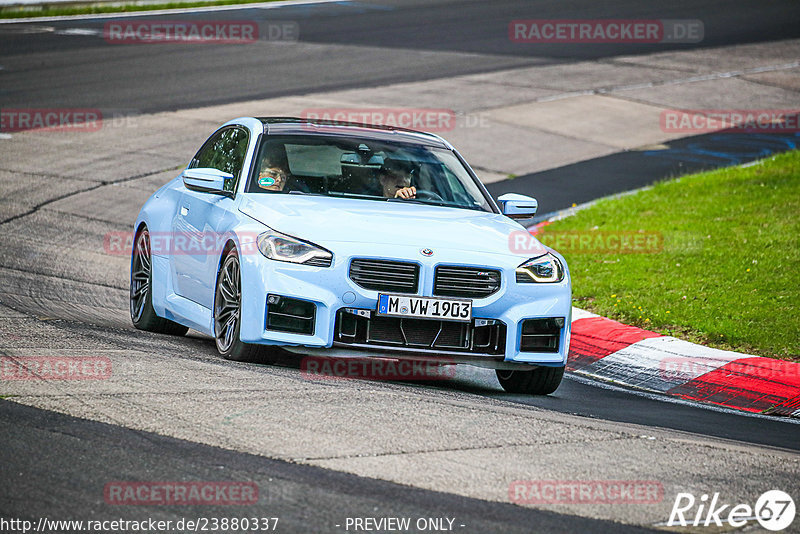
546 268
281 247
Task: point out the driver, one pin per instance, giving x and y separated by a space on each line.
395 177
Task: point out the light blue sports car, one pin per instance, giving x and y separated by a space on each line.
367 240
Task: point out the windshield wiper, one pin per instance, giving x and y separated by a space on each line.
298 192
351 195
420 201
436 203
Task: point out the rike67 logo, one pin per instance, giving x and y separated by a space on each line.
774 510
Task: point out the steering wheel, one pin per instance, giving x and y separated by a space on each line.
428 195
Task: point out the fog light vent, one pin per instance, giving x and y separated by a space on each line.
286 314
541 335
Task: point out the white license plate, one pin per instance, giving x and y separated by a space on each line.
425 307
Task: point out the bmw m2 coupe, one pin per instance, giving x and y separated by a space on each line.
355 239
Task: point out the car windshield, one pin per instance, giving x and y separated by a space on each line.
365 169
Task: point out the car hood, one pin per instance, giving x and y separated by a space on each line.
325 220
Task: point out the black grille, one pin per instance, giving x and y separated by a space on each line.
384 275
469 282
423 335
319 262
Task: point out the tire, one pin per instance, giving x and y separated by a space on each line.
143 315
538 381
227 314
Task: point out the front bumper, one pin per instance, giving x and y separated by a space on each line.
335 296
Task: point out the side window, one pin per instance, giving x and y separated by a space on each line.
225 151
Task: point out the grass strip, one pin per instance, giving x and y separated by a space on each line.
722 267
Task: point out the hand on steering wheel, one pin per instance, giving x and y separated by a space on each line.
406 193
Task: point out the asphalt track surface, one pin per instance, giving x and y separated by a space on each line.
345 45
53 464
306 499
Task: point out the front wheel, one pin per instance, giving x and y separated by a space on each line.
538 381
228 314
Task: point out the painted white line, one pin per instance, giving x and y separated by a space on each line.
752 163
578 313
22 30
177 11
79 31
5 136
570 94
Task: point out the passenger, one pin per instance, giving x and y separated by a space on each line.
277 178
272 178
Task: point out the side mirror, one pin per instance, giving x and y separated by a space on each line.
207 180
517 206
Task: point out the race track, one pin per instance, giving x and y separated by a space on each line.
322 451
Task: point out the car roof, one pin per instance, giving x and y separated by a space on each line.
295 125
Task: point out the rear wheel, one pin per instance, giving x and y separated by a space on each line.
143 315
227 314
538 381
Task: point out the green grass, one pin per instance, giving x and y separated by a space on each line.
728 275
53 10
